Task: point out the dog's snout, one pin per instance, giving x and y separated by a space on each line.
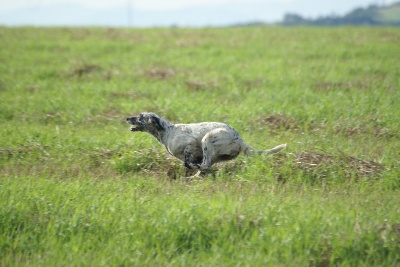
130 120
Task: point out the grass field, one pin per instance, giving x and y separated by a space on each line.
77 188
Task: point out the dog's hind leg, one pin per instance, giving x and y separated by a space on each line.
218 145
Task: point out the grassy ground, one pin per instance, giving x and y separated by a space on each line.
77 188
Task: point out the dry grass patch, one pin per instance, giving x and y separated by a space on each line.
248 85
23 151
326 86
390 233
161 73
310 161
83 70
276 122
364 83
322 164
359 130
323 254
200 85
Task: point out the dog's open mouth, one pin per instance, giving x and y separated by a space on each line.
135 124
135 128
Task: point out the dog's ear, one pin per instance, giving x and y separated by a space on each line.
156 122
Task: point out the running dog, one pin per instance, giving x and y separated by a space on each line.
198 145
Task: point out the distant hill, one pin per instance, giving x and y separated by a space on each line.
372 15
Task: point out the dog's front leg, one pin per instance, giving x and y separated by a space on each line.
193 156
198 158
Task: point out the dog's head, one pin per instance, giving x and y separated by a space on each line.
146 122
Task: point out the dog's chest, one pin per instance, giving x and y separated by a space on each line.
177 143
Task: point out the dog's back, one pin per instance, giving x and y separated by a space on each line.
199 130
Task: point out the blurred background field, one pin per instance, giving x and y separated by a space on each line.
79 189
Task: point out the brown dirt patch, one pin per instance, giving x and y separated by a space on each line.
327 86
323 254
32 88
176 171
390 233
351 131
84 70
277 122
312 162
161 73
358 130
198 85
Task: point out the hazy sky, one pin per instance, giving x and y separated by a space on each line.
173 4
167 12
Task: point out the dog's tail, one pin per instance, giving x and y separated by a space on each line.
250 151
272 150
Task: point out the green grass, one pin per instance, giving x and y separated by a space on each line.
78 189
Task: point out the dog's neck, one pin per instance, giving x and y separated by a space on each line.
160 131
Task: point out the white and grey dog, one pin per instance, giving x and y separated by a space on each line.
198 145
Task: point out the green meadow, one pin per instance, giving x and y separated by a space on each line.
77 188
